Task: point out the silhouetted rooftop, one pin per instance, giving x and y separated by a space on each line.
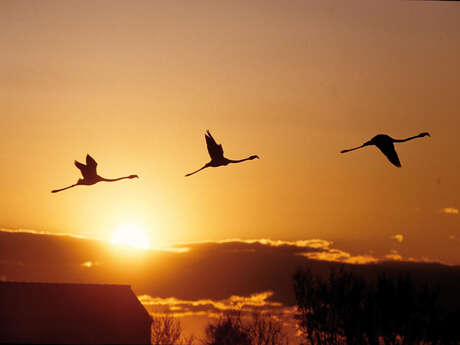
71 313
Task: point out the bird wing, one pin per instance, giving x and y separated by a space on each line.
389 151
81 167
215 151
91 163
88 171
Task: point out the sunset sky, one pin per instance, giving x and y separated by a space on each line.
136 84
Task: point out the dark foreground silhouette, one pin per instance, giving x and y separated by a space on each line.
70 313
217 155
386 144
346 308
233 328
90 175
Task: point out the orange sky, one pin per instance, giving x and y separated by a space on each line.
136 84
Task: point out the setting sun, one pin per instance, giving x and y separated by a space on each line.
131 235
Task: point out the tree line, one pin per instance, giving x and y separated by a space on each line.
344 308
229 329
348 309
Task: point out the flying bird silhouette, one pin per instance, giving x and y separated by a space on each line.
217 155
90 175
386 144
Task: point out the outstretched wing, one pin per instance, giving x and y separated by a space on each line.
90 162
81 167
215 151
88 171
388 149
91 166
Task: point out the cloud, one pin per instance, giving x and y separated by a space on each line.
209 270
196 314
234 302
398 237
315 243
319 249
449 210
39 232
423 259
184 247
394 255
173 249
337 255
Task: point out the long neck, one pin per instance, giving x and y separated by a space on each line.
60 190
113 179
238 161
407 139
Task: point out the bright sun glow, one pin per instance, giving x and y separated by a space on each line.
131 235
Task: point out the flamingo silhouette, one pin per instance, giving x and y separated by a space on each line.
386 144
217 155
90 175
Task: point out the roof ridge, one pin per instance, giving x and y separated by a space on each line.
65 283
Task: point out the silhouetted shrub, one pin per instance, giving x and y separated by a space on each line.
227 330
259 329
265 329
167 330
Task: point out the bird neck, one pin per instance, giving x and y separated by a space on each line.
239 160
113 179
407 139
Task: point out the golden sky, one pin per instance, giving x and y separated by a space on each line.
137 83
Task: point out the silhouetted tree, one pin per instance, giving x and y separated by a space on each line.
266 329
167 330
409 314
227 330
347 309
319 303
258 329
